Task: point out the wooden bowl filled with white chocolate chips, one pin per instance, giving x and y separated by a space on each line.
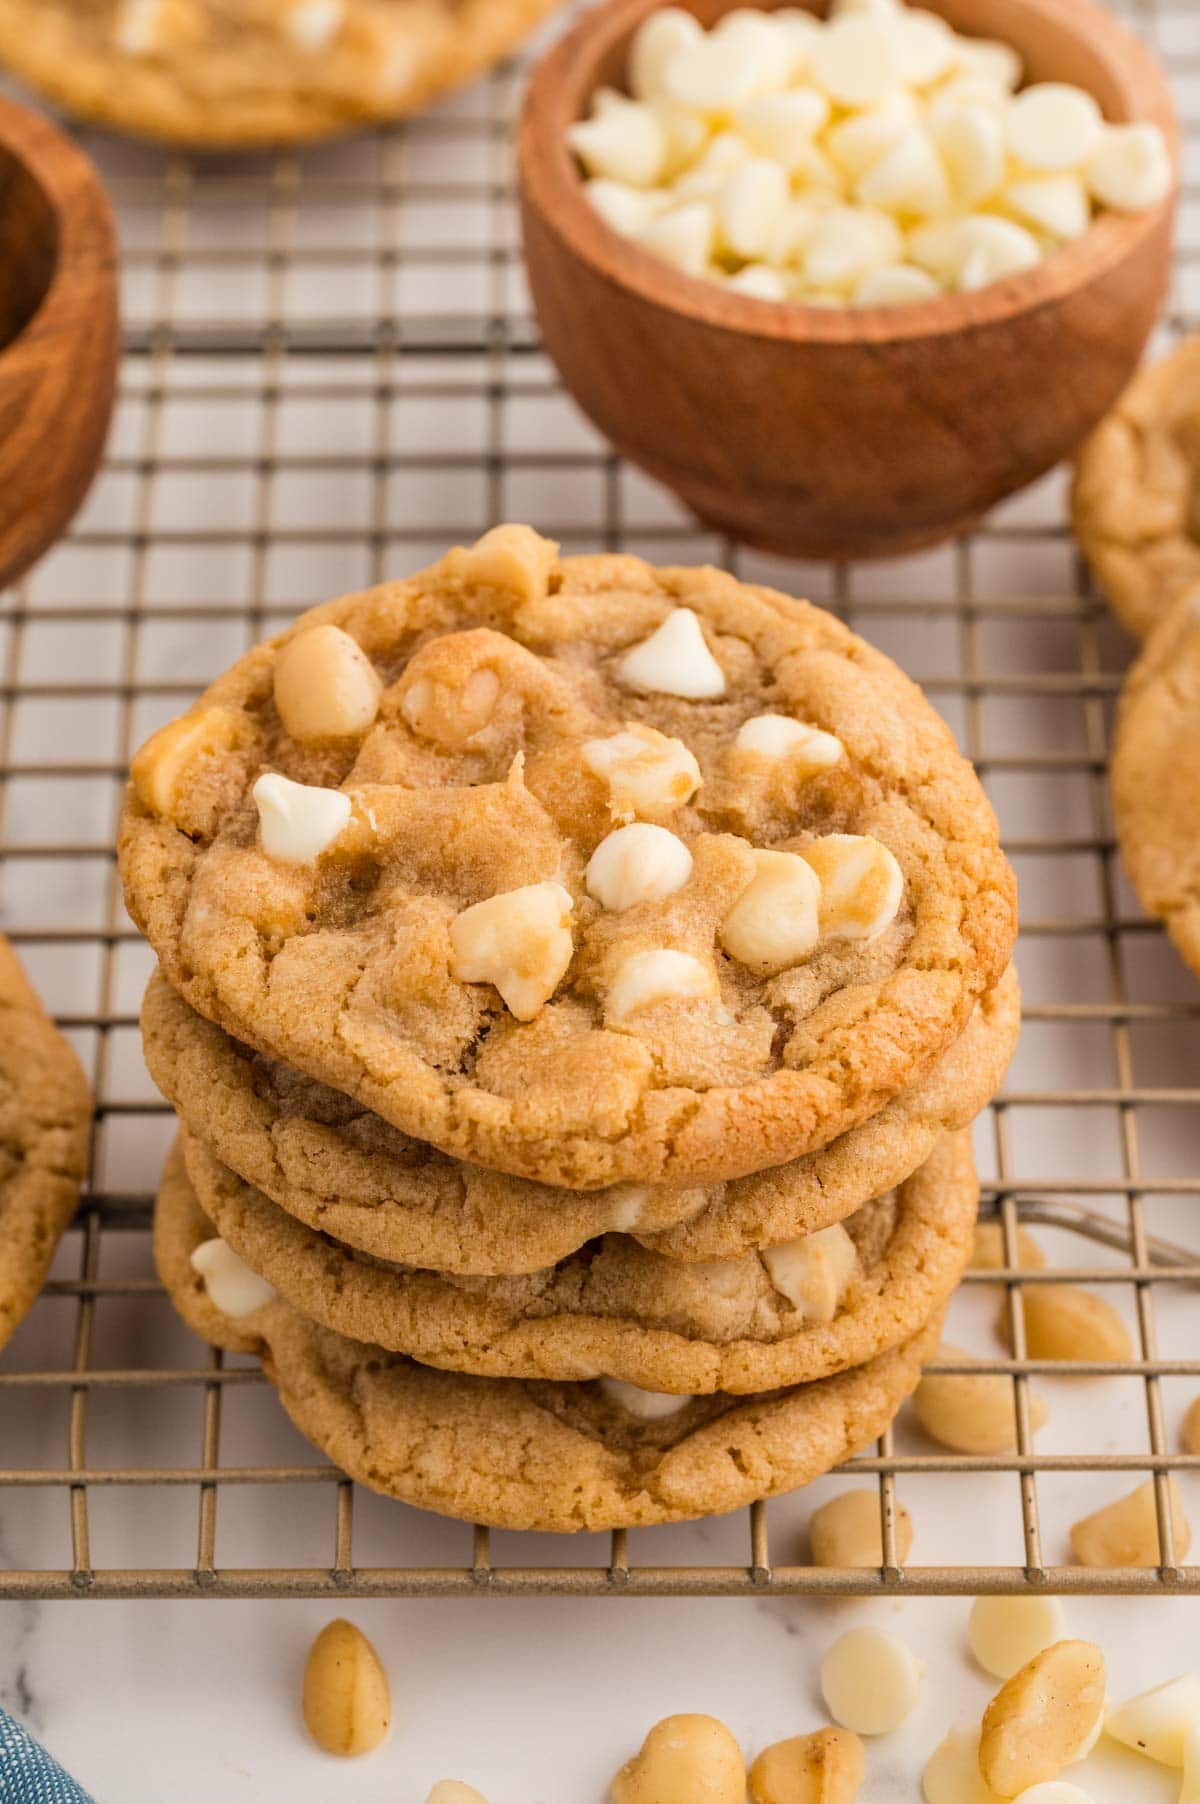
844 282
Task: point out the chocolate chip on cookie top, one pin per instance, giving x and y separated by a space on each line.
405 848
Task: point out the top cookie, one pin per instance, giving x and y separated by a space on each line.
1136 499
224 74
1156 777
45 1121
576 868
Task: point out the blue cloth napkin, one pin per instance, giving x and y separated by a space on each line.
27 1773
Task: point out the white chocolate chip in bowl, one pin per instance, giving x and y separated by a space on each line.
1054 126
714 77
519 941
895 285
1056 204
1130 168
782 126
655 41
644 1406
910 179
626 142
325 686
232 1286
857 60
683 237
813 1272
970 140
297 822
862 885
660 975
775 922
674 660
749 206
847 243
638 863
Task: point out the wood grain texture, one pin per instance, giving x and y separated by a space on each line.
58 333
849 432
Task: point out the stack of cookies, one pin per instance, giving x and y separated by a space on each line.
576 980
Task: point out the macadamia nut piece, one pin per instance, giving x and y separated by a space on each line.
1043 1718
326 687
684 1760
347 1704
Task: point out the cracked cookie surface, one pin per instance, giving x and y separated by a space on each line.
45 1122
619 1310
1136 496
223 74
341 1170
1156 777
532 1455
619 1041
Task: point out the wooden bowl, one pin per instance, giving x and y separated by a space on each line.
852 432
58 333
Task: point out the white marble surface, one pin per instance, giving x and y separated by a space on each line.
533 1702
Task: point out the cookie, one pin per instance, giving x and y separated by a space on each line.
1156 777
342 1170
804 1311
1136 497
528 1455
386 849
45 1124
232 74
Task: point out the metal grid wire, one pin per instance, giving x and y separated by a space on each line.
331 373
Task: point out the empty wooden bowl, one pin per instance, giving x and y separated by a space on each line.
58 333
852 432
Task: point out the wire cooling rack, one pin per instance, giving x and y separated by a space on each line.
331 373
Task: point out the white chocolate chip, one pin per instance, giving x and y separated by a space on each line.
682 237
519 941
910 178
453 1791
639 863
749 206
707 177
1006 1632
1053 125
674 660
297 821
625 142
656 40
782 126
1156 1722
759 281
1057 204
781 739
928 47
624 208
847 243
971 142
857 60
775 921
990 61
646 1406
895 285
862 885
857 143
646 771
952 1774
1130 168
136 27
714 76
326 687
870 1680
232 1286
313 24
968 253
661 975
814 1272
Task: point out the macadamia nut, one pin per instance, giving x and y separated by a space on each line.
847 1531
347 1704
827 1767
1043 1718
684 1760
325 686
519 941
647 773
